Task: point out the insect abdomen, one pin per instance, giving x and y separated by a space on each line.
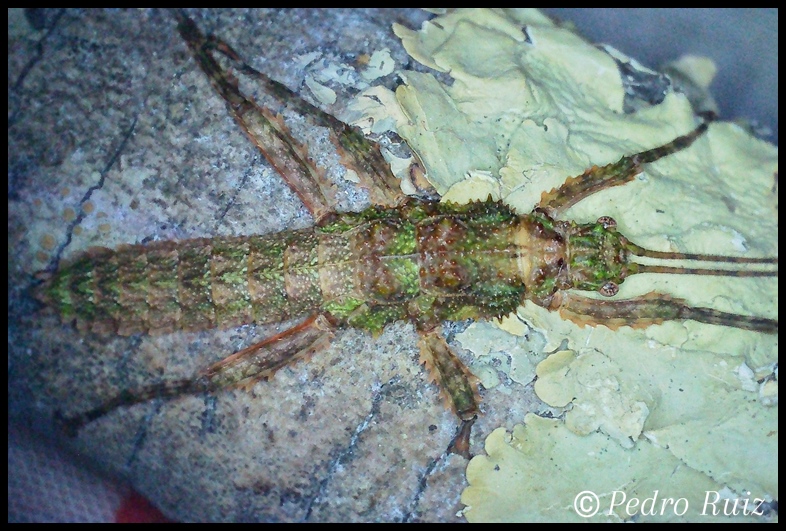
188 285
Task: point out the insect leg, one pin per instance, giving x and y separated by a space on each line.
272 137
458 386
262 360
649 309
266 130
357 152
240 370
618 173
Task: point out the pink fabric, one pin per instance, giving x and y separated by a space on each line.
47 484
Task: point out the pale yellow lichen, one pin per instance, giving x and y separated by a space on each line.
379 65
514 354
531 466
323 93
531 104
478 186
701 70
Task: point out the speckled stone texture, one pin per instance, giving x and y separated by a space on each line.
116 137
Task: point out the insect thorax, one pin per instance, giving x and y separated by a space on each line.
423 261
429 262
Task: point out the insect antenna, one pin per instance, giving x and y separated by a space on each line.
675 145
648 268
721 259
667 255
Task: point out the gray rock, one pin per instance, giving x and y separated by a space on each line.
115 136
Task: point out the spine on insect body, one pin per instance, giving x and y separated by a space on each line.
428 262
422 261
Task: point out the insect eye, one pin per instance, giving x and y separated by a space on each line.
608 222
609 289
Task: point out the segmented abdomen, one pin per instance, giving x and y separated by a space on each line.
189 285
423 261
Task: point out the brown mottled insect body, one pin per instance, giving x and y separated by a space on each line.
423 261
404 258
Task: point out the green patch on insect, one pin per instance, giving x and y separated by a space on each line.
529 103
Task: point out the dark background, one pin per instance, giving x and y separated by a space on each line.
743 43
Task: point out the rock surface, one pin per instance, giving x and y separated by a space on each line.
115 136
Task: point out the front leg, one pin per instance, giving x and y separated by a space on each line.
649 309
618 173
